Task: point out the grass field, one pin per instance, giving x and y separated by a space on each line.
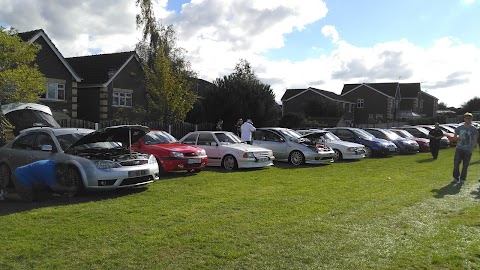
378 213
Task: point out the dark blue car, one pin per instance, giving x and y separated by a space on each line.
373 146
404 146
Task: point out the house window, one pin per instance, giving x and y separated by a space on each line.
122 99
55 91
360 103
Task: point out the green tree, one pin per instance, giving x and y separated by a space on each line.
442 106
20 79
291 120
241 95
471 106
169 92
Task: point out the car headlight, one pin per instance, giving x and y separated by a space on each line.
202 152
248 155
152 159
106 164
352 149
177 154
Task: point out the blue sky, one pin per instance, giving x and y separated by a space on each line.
290 44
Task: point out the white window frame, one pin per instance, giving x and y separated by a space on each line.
56 89
360 103
122 99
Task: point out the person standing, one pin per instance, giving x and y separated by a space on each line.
219 125
238 127
435 135
466 136
246 129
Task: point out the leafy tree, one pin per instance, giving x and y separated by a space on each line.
291 120
20 79
471 106
169 95
169 92
241 95
442 106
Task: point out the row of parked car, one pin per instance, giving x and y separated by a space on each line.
132 155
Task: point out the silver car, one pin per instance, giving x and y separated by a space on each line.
288 145
99 160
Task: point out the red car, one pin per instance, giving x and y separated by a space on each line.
172 155
422 142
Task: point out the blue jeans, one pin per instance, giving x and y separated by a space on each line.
461 156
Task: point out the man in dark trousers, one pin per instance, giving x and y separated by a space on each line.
435 135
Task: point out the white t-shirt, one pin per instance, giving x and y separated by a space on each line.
246 129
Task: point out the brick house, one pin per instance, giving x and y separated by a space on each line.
414 101
110 82
301 100
61 89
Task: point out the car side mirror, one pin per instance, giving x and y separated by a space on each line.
47 148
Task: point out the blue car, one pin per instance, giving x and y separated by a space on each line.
373 146
404 146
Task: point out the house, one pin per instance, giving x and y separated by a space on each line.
317 103
374 101
61 89
110 82
389 101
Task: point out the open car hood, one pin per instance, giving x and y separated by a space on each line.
126 134
27 115
314 134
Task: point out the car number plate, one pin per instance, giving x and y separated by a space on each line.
137 173
262 159
194 160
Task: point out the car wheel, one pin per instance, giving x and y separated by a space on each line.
229 162
296 158
5 176
73 181
337 156
397 151
368 151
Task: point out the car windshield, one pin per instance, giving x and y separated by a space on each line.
392 135
291 135
405 134
158 137
447 129
66 140
423 130
331 137
227 137
363 134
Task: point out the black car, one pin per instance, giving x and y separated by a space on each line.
404 146
421 132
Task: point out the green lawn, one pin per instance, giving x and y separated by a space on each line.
378 213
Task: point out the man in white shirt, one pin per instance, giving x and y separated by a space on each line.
246 129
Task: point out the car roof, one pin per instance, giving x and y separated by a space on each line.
58 131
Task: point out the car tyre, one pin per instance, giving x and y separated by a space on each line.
296 158
338 155
5 176
229 162
73 180
368 151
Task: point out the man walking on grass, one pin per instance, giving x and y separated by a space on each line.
466 137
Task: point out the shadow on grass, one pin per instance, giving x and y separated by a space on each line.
425 160
14 204
474 163
450 189
477 192
222 170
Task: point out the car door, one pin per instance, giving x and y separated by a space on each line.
207 141
273 141
377 134
346 135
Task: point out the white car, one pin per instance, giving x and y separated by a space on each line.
225 149
98 160
288 145
342 149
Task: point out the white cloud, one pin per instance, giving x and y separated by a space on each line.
217 33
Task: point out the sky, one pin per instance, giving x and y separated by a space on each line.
289 43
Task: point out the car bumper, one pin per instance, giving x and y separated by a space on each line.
125 177
255 162
319 158
194 163
348 155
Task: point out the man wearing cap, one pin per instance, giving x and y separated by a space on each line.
247 128
466 136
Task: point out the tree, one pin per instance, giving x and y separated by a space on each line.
291 120
20 79
241 95
471 106
442 106
169 92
